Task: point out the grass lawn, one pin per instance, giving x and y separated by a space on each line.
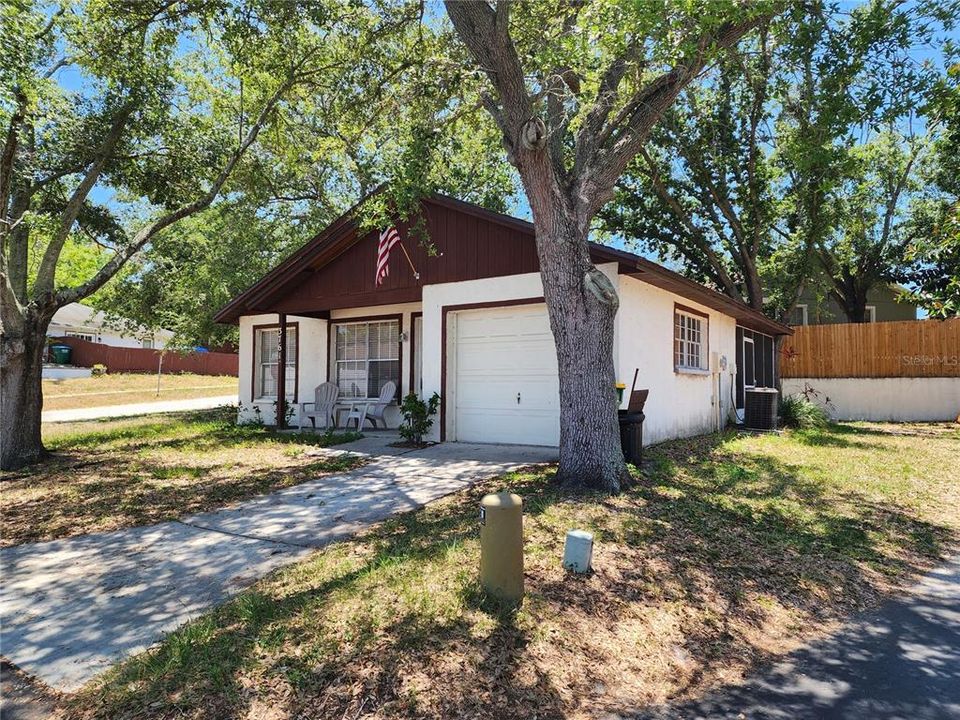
107 474
730 550
127 388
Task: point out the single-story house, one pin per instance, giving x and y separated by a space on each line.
473 327
86 323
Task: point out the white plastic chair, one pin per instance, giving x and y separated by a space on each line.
324 402
375 413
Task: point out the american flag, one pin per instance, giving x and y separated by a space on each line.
388 238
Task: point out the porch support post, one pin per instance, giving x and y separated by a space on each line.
282 374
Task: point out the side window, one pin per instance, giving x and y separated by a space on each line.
690 332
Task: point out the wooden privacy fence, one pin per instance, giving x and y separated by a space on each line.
912 348
125 359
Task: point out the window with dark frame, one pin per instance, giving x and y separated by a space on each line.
367 356
689 341
267 355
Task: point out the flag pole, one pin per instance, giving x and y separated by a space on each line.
416 275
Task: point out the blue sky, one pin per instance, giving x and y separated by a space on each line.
73 80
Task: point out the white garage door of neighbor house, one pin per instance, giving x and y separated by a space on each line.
507 388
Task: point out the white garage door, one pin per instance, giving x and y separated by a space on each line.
507 389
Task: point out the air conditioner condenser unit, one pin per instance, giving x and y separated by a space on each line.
760 408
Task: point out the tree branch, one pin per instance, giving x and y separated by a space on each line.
622 138
8 156
695 234
485 32
48 266
144 236
591 133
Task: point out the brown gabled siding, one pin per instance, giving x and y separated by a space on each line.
336 270
468 248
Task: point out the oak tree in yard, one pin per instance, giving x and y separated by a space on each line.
867 247
934 225
750 179
121 119
575 90
408 133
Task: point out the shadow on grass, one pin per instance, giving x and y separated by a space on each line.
113 476
708 530
195 430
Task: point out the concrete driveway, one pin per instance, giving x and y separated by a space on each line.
71 608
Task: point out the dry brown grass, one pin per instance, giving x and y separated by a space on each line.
128 388
104 475
730 551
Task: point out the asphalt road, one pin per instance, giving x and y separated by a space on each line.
901 662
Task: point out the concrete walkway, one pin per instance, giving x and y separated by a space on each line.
899 663
109 411
70 608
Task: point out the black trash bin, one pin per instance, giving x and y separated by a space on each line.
631 436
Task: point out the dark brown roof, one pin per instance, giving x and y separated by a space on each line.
492 253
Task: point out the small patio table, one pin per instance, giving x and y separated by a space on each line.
356 409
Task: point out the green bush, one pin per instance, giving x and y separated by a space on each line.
416 417
798 411
98 370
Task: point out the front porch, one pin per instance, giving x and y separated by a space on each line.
358 350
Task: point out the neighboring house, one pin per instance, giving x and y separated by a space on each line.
80 321
474 328
883 305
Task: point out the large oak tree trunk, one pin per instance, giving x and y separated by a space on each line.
583 325
21 369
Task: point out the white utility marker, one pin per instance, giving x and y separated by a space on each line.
578 551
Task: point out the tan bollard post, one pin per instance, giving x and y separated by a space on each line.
501 546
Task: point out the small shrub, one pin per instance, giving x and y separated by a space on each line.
799 411
98 370
417 417
256 420
288 411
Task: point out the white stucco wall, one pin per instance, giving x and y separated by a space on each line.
76 319
311 363
883 399
680 404
497 289
314 356
109 336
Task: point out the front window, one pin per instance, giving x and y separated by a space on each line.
689 341
871 314
367 356
148 343
267 354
